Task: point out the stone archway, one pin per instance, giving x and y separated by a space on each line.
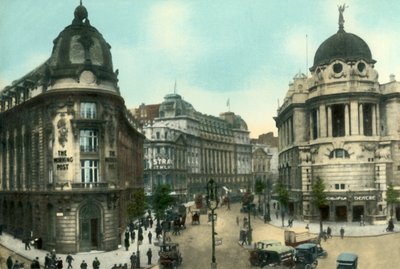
89 227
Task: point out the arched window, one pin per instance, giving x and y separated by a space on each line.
339 153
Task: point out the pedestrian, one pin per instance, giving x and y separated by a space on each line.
83 265
35 263
133 260
149 255
243 236
237 220
26 242
150 236
60 263
127 234
341 232
329 232
126 242
47 261
9 262
16 265
151 223
69 260
307 227
96 263
277 214
140 238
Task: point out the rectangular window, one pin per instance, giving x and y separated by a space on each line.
88 110
158 135
342 186
338 120
89 171
314 119
367 119
88 140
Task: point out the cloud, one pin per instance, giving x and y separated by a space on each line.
169 30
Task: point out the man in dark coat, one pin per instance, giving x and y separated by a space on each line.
133 235
149 255
150 236
133 260
69 260
96 263
83 265
126 242
9 262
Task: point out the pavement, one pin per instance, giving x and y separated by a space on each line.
107 259
189 238
352 229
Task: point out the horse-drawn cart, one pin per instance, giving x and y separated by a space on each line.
170 256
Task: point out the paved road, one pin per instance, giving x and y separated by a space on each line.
376 248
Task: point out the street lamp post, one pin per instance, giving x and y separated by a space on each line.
249 236
212 203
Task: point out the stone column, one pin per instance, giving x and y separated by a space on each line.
361 114
329 126
346 120
354 118
378 120
322 120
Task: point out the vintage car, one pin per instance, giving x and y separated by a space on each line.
347 260
259 247
170 256
277 256
306 256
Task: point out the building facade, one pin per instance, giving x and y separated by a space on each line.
70 156
185 148
342 125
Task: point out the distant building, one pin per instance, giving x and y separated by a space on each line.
70 153
185 148
341 125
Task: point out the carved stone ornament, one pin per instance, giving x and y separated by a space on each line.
368 147
62 130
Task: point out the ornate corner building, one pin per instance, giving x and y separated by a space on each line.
185 148
342 125
70 152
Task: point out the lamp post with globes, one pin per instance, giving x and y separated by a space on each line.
212 203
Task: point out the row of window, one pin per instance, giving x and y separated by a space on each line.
89 141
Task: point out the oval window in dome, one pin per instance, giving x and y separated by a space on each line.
337 68
361 67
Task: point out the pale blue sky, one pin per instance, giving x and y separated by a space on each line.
244 50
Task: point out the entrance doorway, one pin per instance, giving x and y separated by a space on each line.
89 224
341 213
358 210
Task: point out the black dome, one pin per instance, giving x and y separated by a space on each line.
81 47
342 45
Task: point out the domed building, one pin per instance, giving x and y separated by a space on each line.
71 154
185 148
342 126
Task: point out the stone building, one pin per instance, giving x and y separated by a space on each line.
342 125
185 148
70 156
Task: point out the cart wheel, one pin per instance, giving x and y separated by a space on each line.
308 266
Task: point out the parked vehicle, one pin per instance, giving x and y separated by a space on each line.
294 238
170 256
277 256
306 256
347 260
259 247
